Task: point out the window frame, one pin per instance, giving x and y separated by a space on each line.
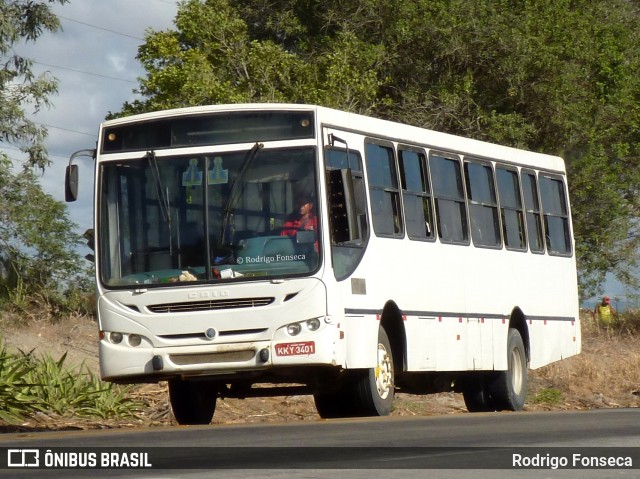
462 200
394 191
538 212
521 211
566 216
495 206
425 193
358 178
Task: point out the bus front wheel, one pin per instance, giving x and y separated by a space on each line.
192 402
375 389
368 392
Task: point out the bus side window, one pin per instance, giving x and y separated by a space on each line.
483 205
347 209
351 161
383 189
556 215
448 194
511 209
532 206
416 194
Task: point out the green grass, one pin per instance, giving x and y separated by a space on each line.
29 385
549 396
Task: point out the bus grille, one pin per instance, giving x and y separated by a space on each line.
209 305
219 357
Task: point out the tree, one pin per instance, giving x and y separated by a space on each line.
24 20
38 262
559 76
37 255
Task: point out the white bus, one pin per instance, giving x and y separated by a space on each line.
428 263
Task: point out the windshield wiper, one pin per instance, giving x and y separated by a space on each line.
251 155
163 197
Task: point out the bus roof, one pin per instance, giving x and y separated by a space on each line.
395 131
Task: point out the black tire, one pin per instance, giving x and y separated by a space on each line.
476 394
508 389
338 404
364 393
375 390
192 402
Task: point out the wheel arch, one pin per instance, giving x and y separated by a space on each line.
392 321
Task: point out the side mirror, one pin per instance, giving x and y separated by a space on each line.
71 175
71 183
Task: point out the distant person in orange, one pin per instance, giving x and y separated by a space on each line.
604 312
305 219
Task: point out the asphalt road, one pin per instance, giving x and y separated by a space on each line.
562 444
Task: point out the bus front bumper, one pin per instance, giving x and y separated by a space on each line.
125 364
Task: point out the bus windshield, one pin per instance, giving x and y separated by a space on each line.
208 217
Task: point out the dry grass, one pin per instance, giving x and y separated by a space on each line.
605 375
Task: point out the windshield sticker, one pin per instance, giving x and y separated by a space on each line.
193 176
218 175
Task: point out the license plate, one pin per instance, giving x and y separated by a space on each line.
296 349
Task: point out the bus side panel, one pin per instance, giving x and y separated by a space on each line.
545 342
422 349
361 334
500 334
552 341
453 344
571 339
480 347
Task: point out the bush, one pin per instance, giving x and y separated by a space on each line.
29 385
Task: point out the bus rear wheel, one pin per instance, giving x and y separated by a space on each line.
509 388
192 402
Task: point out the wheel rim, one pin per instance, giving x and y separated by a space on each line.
384 372
517 372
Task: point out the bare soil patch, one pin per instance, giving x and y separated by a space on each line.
605 375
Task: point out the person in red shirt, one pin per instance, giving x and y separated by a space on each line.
305 220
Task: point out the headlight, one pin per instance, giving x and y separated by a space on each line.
294 329
134 340
115 338
313 324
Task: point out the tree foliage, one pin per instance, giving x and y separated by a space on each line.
24 20
38 261
555 76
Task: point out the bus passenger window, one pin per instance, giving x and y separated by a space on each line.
511 209
416 194
556 215
383 188
532 205
448 194
483 206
